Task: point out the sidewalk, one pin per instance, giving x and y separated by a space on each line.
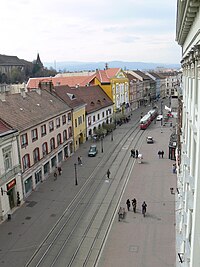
146 242
31 222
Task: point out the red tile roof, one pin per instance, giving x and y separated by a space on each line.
4 127
69 80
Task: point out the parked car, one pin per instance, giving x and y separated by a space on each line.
150 140
92 151
159 117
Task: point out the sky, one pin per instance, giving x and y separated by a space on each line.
90 30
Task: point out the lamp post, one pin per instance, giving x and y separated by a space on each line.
101 144
112 135
161 112
76 180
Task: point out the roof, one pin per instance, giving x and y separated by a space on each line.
66 93
4 128
93 96
104 76
24 112
156 75
67 80
142 74
10 61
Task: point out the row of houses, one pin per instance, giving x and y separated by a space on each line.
46 120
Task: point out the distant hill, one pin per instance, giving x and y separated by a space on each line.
82 66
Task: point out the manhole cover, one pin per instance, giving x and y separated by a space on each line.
53 215
32 204
28 218
10 233
133 248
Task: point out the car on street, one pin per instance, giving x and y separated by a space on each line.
159 117
92 151
149 140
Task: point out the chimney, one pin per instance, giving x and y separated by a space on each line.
23 93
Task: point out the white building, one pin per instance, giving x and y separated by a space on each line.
188 175
11 194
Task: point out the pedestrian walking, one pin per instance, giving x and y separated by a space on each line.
108 173
128 204
59 170
133 153
134 204
159 154
162 153
144 208
80 161
174 168
55 174
136 153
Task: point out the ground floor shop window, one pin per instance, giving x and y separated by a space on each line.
60 156
53 162
46 168
28 185
38 177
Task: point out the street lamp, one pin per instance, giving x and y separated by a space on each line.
76 180
112 135
161 107
101 144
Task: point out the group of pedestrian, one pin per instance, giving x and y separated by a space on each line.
134 153
161 154
58 171
134 205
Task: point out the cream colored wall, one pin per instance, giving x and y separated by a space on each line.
80 130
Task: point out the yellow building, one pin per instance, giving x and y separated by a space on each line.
115 84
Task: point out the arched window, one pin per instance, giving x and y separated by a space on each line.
59 140
64 135
44 149
26 162
36 155
52 143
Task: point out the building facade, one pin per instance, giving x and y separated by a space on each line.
45 131
188 174
11 192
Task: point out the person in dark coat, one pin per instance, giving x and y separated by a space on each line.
162 153
133 153
128 204
108 173
134 204
136 153
159 154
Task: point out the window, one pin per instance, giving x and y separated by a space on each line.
24 140
26 162
59 141
7 158
83 118
69 116
64 119
44 149
79 120
57 122
52 143
75 122
89 121
64 135
34 135
93 118
98 116
70 131
103 114
36 155
51 126
43 130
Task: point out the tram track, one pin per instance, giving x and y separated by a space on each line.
87 195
